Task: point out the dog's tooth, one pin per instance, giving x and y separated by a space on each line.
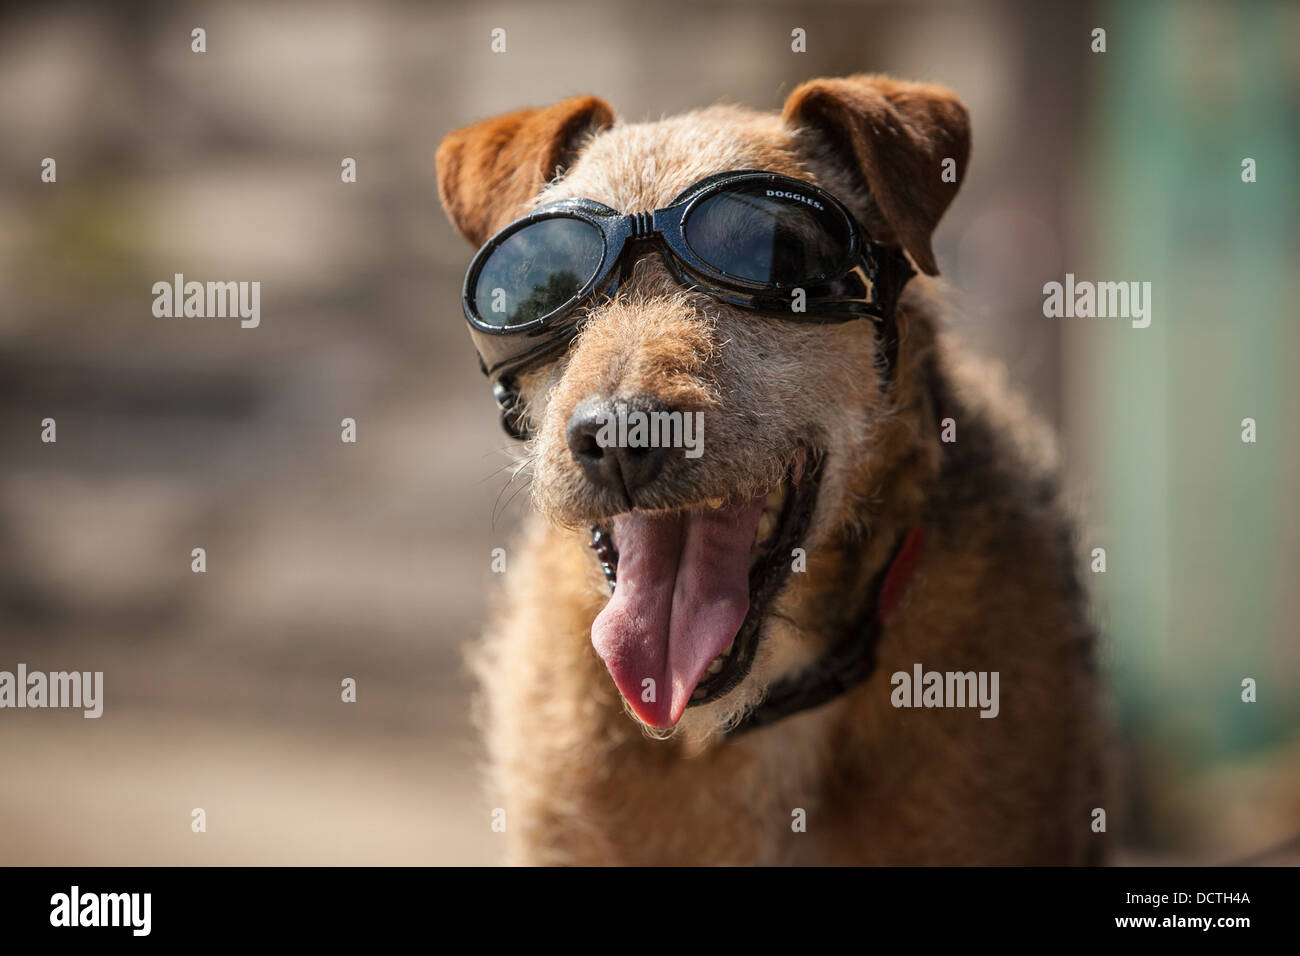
713 504
730 646
700 694
766 525
774 498
717 665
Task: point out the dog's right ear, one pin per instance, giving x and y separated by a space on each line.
487 172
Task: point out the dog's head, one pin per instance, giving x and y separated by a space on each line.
739 554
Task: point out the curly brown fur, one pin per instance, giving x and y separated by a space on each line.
581 779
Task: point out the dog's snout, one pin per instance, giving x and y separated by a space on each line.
611 454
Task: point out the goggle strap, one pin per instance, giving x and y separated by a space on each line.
511 406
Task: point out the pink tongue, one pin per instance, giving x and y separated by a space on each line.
682 594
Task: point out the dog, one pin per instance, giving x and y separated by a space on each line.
903 507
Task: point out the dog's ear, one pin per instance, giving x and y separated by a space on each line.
897 135
487 171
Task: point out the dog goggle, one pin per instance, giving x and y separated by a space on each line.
754 240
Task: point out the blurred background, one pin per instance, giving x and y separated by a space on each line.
328 560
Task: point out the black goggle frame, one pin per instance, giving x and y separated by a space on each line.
867 284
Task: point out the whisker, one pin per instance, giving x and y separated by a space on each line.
497 513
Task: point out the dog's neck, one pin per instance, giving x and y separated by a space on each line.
850 657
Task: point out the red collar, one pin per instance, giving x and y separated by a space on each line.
900 572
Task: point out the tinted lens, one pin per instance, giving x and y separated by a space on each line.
773 234
536 270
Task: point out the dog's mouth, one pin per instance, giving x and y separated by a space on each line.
693 587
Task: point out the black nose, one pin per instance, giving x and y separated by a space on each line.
602 439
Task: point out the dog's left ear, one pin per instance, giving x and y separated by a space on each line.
488 171
897 136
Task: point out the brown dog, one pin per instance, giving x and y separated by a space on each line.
902 512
